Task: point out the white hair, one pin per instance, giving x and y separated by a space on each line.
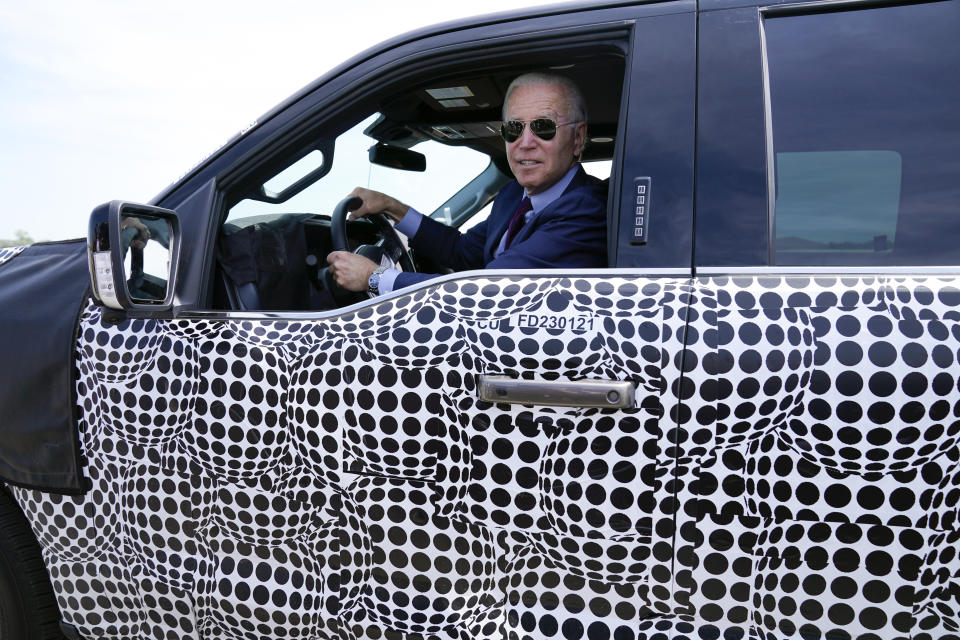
576 106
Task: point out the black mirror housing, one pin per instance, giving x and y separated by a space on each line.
133 251
387 155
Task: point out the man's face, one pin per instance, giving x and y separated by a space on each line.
536 163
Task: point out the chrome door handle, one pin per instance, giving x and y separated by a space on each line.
557 393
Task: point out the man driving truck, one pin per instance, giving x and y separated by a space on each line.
552 215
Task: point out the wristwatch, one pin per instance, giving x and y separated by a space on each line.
373 284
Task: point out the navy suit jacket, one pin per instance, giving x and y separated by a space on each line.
569 232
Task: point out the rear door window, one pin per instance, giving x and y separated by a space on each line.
865 167
837 201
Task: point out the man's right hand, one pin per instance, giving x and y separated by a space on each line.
351 271
138 241
376 202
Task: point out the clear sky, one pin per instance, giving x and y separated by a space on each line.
112 99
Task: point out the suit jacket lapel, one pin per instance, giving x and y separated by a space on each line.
527 229
504 206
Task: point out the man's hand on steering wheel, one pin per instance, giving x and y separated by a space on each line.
350 270
376 202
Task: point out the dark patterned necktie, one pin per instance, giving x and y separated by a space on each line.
516 222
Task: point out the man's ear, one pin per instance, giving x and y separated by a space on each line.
579 139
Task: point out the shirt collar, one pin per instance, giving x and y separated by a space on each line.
544 198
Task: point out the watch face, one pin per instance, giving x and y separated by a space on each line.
373 284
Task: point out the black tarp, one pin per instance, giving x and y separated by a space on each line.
272 256
42 291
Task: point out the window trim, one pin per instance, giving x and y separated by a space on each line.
330 105
953 271
832 6
768 134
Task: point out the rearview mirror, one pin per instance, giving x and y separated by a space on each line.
133 250
387 155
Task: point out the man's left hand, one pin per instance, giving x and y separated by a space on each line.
350 271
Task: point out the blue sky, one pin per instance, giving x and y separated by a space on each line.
111 99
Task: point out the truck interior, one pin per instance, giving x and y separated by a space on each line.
434 145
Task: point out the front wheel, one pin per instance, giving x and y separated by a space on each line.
28 609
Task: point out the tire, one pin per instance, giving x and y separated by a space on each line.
28 608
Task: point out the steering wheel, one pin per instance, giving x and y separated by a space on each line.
389 246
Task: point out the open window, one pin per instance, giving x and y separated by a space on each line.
433 144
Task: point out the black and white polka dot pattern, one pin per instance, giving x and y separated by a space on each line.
819 458
793 472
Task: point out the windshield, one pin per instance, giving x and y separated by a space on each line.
448 169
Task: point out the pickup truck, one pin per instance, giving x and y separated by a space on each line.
746 425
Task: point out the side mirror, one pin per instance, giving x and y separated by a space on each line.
133 251
387 155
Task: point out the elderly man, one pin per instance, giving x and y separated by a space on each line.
552 215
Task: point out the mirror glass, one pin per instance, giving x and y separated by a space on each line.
145 242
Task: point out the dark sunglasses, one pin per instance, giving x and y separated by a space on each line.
543 128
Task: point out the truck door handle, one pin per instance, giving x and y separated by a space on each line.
604 394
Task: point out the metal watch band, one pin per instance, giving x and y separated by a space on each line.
373 284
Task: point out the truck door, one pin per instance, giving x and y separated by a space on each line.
337 473
817 493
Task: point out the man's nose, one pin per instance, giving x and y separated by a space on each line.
527 138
